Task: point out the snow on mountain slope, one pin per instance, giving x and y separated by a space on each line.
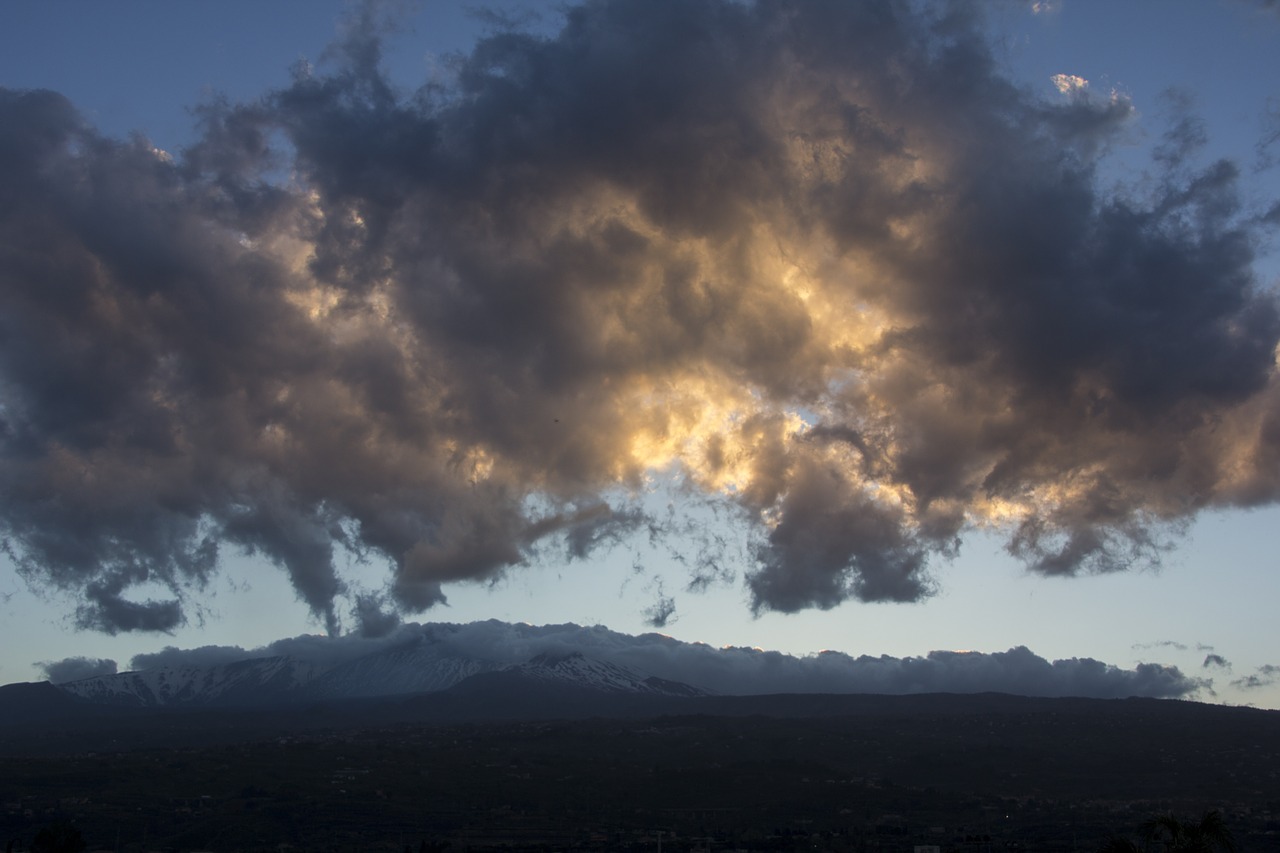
429 662
594 674
420 666
255 681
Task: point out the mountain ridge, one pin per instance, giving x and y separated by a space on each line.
422 666
415 659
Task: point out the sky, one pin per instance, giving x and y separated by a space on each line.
877 327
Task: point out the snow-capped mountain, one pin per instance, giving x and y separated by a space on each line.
578 670
247 682
426 664
495 663
423 665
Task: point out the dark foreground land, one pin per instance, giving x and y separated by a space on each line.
771 773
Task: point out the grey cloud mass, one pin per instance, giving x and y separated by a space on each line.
76 668
816 263
171 656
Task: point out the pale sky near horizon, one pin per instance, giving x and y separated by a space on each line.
135 66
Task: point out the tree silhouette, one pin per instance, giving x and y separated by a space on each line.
1168 834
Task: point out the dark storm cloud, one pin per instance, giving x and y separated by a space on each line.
372 617
816 262
76 668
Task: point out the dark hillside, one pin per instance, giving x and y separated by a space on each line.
836 773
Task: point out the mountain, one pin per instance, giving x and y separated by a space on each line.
422 665
1037 774
551 686
564 674
426 664
578 670
257 681
26 702
503 660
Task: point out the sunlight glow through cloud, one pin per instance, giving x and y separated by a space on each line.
1069 84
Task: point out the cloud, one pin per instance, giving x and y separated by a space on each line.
76 668
1018 670
735 670
1187 133
1264 676
1266 5
1215 660
372 617
1266 145
816 264
662 611
1069 84
1164 644
172 656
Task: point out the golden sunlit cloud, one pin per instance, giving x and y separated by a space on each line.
816 267
1069 84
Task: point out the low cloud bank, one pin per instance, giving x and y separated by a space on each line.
76 668
732 670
